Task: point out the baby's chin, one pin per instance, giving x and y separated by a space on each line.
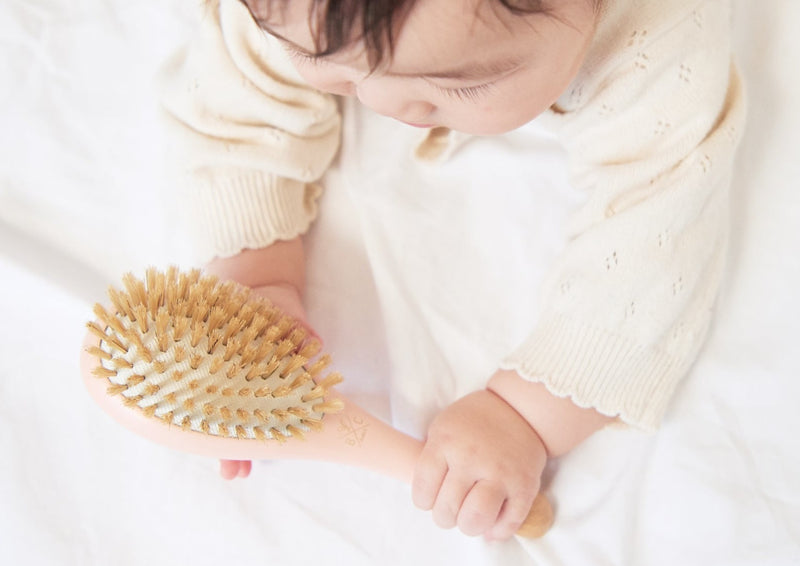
488 127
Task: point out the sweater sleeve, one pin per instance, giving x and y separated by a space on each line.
651 124
248 137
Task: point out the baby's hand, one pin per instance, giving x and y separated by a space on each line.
288 299
480 468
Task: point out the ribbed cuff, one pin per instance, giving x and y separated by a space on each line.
249 210
599 369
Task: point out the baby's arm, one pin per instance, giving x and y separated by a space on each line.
276 272
481 466
560 423
650 127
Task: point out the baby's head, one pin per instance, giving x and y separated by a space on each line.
477 66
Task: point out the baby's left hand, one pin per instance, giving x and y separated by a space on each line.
480 468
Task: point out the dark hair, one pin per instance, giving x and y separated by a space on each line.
333 22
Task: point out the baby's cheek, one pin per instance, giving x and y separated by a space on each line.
486 119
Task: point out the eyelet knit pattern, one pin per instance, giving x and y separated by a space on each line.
651 129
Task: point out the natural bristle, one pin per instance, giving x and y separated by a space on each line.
210 357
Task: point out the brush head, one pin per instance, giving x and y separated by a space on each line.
210 357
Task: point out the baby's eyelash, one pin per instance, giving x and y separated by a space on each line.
468 93
304 57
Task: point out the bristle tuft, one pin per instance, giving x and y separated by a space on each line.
281 391
295 432
133 401
300 381
135 380
284 348
180 354
120 302
98 353
310 349
162 322
271 367
116 389
294 364
298 412
313 424
103 372
332 406
316 368
331 380
316 393
142 351
278 435
298 335
122 363
140 317
280 414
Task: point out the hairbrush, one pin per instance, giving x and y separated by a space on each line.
206 367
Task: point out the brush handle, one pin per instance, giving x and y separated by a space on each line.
353 437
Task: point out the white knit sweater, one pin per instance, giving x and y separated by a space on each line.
650 124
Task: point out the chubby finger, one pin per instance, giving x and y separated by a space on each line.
429 475
512 515
244 468
451 496
228 469
481 508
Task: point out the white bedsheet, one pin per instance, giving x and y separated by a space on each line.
82 201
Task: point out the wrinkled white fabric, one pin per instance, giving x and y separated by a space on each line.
81 201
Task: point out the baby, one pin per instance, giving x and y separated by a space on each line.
645 100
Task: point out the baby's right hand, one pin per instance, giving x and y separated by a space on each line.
480 467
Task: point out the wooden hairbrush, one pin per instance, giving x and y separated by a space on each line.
208 368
